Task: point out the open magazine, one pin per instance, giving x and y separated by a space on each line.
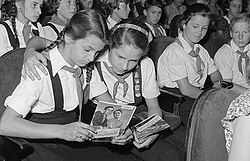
149 126
111 119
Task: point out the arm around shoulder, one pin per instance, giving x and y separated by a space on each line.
32 57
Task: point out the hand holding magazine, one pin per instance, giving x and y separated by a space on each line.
111 119
149 126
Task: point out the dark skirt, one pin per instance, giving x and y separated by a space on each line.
71 151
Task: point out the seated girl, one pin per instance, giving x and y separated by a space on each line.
64 11
21 24
184 65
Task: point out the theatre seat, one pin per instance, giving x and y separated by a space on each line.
11 149
205 139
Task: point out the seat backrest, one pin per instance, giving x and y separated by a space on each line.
157 46
10 73
205 139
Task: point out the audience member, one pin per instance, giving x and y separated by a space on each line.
153 12
64 11
247 6
170 11
120 11
85 4
184 65
21 24
140 6
232 59
215 8
190 2
223 24
203 1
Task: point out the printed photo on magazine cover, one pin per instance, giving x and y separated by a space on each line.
149 126
111 119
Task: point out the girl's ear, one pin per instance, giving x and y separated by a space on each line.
145 12
183 24
68 39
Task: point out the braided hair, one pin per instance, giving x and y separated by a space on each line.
13 15
57 42
94 24
9 10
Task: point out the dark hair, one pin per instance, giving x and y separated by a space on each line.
116 3
94 23
9 10
81 5
227 3
52 6
243 17
193 10
105 108
127 35
118 110
150 3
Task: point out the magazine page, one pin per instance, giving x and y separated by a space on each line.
149 126
111 119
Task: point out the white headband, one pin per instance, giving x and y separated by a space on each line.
132 26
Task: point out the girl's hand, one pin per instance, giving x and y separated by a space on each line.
78 131
146 142
124 138
31 59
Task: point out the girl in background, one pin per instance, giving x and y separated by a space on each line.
65 9
223 24
22 23
184 65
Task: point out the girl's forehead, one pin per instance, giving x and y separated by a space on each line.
123 5
199 19
236 2
241 25
34 1
129 52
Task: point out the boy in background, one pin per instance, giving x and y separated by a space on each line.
120 10
153 12
175 8
232 59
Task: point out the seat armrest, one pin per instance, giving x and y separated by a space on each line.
17 144
21 144
180 97
176 98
